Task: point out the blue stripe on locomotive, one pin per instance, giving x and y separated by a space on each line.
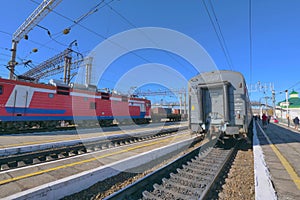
34 110
47 118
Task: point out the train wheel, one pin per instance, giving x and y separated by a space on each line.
50 125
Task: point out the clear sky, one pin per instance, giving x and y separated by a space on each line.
275 36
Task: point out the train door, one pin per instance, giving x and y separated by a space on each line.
214 105
209 105
143 108
19 100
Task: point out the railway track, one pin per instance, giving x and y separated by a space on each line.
73 127
46 155
189 177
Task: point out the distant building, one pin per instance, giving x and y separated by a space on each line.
293 106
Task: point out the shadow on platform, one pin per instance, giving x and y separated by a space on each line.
278 134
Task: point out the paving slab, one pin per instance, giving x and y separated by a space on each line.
281 148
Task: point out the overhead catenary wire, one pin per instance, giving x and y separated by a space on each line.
80 19
95 33
250 42
222 36
50 35
77 22
54 36
144 34
292 86
91 11
8 49
221 42
6 33
30 40
3 54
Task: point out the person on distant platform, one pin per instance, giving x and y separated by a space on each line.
296 122
264 120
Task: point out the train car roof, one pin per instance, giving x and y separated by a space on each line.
217 76
75 89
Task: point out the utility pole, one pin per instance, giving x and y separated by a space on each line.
287 106
261 87
273 100
180 103
67 69
184 102
266 104
88 70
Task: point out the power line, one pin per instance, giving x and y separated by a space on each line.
91 11
3 54
144 34
297 83
222 37
77 22
6 33
81 18
250 40
98 34
218 36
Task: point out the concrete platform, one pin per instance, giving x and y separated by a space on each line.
281 152
20 143
56 179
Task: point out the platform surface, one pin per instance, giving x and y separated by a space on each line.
26 139
281 149
33 177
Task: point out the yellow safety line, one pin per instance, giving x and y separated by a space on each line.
288 167
38 142
81 162
75 137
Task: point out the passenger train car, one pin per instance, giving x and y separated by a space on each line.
219 102
27 104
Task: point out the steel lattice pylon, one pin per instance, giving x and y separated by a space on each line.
60 63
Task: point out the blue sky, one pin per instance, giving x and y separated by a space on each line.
275 35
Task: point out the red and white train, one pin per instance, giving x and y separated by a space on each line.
27 104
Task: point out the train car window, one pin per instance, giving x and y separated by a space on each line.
50 95
63 93
1 89
63 90
104 96
92 105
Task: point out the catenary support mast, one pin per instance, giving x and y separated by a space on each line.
36 16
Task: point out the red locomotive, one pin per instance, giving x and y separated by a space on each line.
27 104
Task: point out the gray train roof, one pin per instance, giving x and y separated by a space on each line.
218 76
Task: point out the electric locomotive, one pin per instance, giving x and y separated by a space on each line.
27 104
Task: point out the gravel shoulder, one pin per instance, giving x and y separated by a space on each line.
239 183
